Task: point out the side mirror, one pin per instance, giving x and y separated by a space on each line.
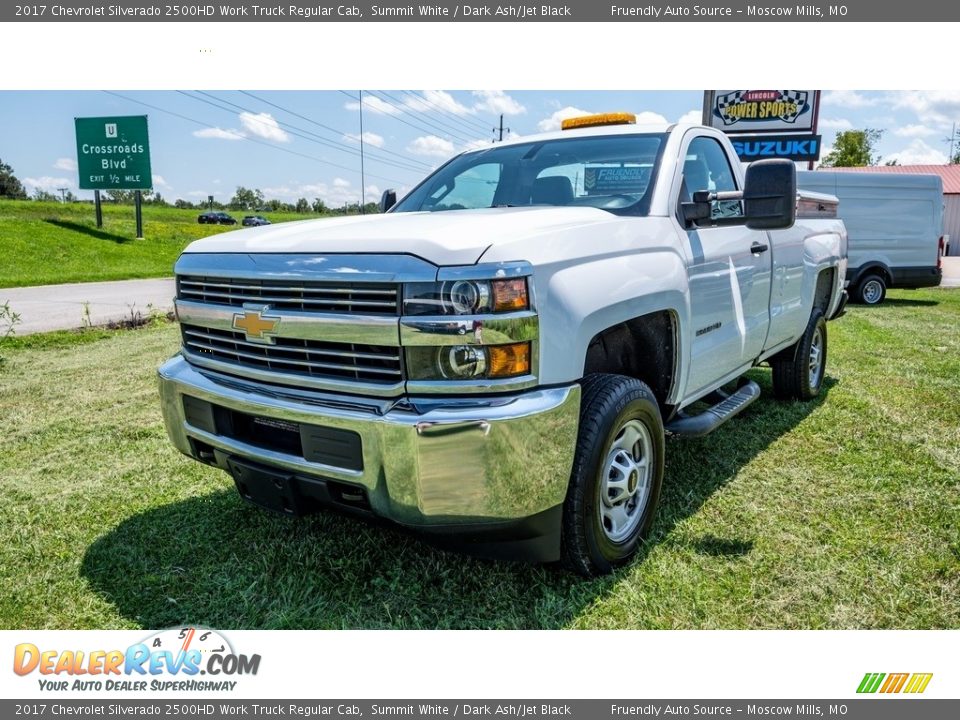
770 194
388 200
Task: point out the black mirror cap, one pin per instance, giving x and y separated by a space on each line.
388 200
770 194
694 212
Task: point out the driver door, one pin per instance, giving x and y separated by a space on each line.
728 272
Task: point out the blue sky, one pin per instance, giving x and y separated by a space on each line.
304 144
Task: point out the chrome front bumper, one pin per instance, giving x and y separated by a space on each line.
464 462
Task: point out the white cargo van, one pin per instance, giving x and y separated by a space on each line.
895 227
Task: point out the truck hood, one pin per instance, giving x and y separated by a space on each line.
458 237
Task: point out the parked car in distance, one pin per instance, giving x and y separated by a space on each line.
895 228
216 218
255 221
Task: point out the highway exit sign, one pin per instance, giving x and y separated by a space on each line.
113 153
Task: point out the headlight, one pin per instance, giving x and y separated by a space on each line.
469 362
466 297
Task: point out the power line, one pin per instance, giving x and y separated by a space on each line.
293 130
421 128
469 123
241 136
434 118
407 158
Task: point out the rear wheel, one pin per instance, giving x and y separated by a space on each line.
798 371
617 474
872 289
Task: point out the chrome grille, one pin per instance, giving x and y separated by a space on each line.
328 297
311 358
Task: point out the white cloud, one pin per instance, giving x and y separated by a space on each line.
691 116
369 138
199 193
935 106
373 104
263 125
497 102
553 122
835 124
341 183
429 100
159 182
431 145
915 131
918 153
650 118
218 133
65 164
847 99
47 183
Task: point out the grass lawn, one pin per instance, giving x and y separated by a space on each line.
842 513
47 242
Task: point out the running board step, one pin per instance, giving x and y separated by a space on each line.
713 417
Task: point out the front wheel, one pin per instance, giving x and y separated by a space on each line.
798 371
617 473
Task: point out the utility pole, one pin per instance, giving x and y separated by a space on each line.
63 194
501 128
952 146
363 182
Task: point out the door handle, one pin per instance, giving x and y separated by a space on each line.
758 248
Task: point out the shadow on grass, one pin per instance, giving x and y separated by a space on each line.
217 561
902 302
87 230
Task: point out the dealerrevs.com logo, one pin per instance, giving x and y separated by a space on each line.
891 683
179 659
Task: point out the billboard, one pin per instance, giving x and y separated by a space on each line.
754 111
799 148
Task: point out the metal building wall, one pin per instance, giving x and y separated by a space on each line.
951 222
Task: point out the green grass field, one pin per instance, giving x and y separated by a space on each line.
842 513
47 242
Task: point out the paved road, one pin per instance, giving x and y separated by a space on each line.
61 307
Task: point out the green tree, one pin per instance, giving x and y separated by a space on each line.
319 206
246 199
10 187
126 197
303 205
854 148
41 195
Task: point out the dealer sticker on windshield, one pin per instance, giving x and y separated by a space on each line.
599 180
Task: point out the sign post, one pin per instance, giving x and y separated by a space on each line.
113 153
767 123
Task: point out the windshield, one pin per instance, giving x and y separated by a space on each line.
611 172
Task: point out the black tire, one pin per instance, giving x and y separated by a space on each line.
871 289
793 377
609 404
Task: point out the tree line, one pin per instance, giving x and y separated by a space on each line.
244 199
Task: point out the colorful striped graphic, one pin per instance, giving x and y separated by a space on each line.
894 682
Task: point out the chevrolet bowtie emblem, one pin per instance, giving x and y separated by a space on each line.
256 325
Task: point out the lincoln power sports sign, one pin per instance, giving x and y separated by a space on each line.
753 111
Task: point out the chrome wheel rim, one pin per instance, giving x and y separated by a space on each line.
872 291
625 481
815 366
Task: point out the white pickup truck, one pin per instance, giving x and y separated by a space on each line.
497 358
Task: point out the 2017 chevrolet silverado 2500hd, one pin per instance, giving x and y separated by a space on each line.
894 225
497 358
